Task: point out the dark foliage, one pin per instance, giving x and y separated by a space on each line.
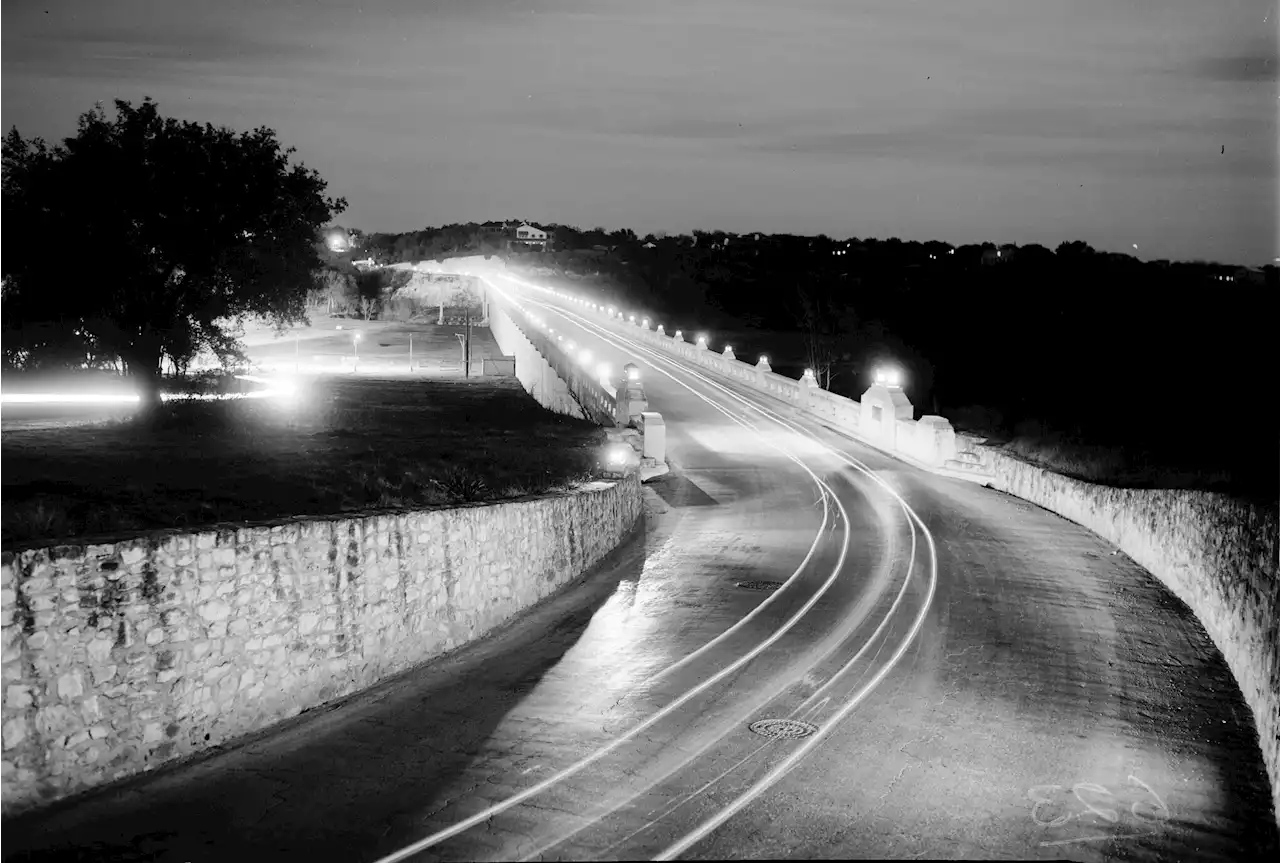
180 228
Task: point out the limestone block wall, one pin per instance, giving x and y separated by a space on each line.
1217 555
121 656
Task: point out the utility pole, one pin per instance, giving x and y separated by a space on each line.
410 351
466 359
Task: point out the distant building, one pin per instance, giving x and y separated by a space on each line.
528 235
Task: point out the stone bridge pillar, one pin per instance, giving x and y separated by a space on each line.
882 407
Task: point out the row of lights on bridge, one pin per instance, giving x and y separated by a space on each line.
886 377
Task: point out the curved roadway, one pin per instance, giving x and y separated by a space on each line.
977 678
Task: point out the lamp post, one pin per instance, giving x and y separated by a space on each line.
355 346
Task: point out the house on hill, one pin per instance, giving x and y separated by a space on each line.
528 235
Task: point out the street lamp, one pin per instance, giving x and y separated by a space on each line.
355 346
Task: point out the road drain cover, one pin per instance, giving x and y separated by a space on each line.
780 729
760 585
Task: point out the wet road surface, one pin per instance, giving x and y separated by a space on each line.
977 677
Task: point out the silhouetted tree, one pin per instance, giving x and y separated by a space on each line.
185 226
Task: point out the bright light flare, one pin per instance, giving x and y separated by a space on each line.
585 357
282 389
616 455
68 398
633 374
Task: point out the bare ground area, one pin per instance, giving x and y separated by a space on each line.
342 445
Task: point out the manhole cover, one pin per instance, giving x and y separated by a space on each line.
760 585
780 729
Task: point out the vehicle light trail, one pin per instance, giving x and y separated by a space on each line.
577 767
709 826
653 355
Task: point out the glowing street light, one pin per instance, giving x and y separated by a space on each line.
584 357
888 377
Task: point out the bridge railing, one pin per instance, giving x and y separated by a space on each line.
883 417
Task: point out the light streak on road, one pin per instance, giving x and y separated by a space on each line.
577 767
709 826
760 787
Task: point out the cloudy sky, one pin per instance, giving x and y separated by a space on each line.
1119 122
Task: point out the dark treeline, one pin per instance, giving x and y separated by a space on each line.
1099 344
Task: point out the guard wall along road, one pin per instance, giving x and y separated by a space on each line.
121 656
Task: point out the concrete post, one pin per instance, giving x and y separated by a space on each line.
762 369
728 352
940 438
882 407
655 436
807 385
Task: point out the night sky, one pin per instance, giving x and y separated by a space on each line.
1112 121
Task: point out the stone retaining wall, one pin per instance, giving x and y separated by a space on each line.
125 655
1217 555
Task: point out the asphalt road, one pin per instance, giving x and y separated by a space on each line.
981 678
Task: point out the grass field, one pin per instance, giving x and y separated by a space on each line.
345 444
381 345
